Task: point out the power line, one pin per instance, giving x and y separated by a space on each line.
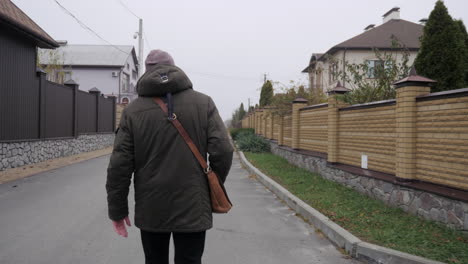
128 9
208 75
83 25
146 40
135 15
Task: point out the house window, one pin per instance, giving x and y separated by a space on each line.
374 67
125 83
128 66
312 79
134 75
318 80
333 72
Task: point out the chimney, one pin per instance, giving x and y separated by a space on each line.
423 21
371 26
393 13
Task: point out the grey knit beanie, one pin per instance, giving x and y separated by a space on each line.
158 57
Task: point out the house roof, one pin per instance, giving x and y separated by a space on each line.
15 18
380 37
315 57
90 55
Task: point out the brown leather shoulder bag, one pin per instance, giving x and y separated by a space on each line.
220 202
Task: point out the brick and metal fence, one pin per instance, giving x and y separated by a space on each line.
411 152
41 120
47 110
418 136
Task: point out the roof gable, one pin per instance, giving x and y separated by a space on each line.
15 18
313 59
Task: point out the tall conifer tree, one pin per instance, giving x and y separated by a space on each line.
266 94
241 111
441 56
464 36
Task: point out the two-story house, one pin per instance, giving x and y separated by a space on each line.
113 69
323 67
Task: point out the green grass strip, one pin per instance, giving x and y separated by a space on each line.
369 219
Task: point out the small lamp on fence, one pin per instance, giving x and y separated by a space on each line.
339 89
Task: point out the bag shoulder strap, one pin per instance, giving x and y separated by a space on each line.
184 135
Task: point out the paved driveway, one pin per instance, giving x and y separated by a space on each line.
61 217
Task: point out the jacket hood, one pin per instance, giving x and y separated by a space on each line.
162 79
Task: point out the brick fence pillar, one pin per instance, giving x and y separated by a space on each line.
257 122
260 122
333 106
297 104
407 91
259 127
281 131
271 121
266 117
253 121
254 115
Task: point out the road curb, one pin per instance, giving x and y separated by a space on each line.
336 234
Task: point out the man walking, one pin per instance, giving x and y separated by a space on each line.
171 190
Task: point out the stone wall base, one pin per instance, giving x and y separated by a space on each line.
18 154
429 206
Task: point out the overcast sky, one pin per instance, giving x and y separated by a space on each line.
226 46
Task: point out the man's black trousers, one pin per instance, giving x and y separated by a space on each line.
188 247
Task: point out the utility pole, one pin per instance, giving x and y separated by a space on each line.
248 108
140 48
264 78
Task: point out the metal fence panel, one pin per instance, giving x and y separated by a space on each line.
19 92
59 113
106 114
86 113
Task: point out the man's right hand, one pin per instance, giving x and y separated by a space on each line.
119 226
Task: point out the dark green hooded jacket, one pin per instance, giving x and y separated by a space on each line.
171 190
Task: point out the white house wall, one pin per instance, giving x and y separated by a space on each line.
133 81
352 56
100 78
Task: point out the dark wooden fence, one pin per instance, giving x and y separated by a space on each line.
46 110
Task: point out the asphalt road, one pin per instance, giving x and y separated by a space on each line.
60 216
